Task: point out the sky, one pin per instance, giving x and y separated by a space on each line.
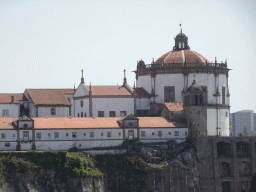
45 43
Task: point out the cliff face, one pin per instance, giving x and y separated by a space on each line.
49 181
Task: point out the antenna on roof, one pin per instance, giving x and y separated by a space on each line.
124 77
180 27
82 79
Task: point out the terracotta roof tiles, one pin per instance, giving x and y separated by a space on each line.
174 106
5 98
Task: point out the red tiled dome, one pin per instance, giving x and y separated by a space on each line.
192 58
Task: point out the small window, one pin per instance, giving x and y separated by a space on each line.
100 113
78 115
49 134
73 134
226 114
81 103
82 114
112 113
5 113
186 133
119 134
122 113
38 135
3 135
108 134
153 133
84 134
143 133
14 135
176 133
66 134
130 124
7 145
25 133
159 133
91 134
25 125
53 111
56 134
101 134
170 133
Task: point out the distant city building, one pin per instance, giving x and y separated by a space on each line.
243 122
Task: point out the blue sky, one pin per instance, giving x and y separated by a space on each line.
45 43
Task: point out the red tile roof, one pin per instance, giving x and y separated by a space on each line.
91 123
174 106
141 93
110 91
50 96
192 57
5 98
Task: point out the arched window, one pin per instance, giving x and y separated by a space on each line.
196 100
81 103
224 149
25 125
201 100
243 149
179 45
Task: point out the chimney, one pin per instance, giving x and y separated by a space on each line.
12 99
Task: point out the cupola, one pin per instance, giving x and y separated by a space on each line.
181 41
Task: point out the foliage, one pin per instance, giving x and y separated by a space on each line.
252 134
130 142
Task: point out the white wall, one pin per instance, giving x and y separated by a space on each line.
60 111
145 82
142 104
162 80
84 109
13 110
112 104
82 90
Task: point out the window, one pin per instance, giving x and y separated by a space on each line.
84 134
3 135
159 133
170 133
49 134
25 125
226 114
56 134
82 114
81 103
101 134
74 134
108 134
122 113
130 124
14 135
186 133
38 135
176 133
78 114
196 100
66 134
153 133
112 113
91 134
223 95
119 134
25 133
69 100
7 145
143 134
5 113
53 111
100 113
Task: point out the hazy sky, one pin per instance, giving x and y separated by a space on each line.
46 43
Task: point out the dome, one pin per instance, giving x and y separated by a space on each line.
191 58
194 87
181 35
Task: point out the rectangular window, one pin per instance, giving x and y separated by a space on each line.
53 111
101 134
153 133
119 134
5 113
100 113
143 133
3 135
159 133
112 113
223 95
56 134
14 135
84 134
108 134
91 134
38 135
176 133
170 133
49 134
7 145
25 133
78 115
186 133
122 113
82 114
73 134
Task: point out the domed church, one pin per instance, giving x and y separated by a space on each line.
185 76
